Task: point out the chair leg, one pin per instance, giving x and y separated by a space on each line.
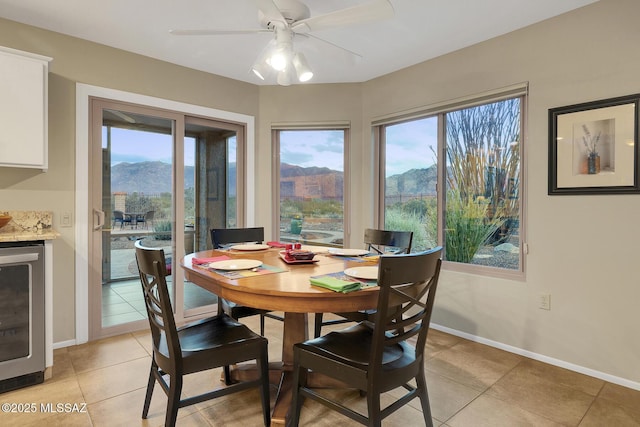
150 384
299 378
373 406
423 394
227 375
264 395
317 325
173 400
262 324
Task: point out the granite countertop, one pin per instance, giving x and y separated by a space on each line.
28 226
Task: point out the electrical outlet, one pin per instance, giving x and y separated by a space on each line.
545 301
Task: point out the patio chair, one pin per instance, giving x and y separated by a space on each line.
119 217
145 219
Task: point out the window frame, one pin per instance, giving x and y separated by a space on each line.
440 110
276 129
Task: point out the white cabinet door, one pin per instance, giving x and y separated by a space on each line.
23 109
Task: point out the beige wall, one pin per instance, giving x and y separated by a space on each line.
307 104
583 249
74 61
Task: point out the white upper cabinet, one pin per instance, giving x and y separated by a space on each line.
23 109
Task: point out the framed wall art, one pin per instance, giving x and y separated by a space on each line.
593 147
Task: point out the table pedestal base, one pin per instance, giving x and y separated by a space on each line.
282 377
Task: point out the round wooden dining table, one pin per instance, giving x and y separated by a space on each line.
289 291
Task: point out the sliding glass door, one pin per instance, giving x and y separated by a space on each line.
162 178
210 190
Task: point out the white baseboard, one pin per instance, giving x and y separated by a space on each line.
541 358
62 344
531 355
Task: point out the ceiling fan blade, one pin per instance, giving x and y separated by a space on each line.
270 11
367 12
217 32
355 55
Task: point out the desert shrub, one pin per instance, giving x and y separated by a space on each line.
467 226
400 220
162 230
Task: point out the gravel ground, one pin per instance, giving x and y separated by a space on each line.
494 257
487 255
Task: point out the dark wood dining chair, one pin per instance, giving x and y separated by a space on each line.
377 357
222 237
379 242
202 345
388 241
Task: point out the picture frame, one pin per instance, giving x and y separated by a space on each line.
593 147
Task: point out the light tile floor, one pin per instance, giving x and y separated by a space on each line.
469 384
123 302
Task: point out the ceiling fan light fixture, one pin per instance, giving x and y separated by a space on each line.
280 55
288 18
284 78
303 70
279 58
260 69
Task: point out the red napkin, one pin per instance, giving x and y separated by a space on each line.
277 244
199 261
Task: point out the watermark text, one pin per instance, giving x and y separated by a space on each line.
50 407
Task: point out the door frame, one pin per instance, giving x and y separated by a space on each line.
85 220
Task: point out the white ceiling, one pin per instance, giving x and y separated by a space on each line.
419 30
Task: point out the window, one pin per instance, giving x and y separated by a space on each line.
410 172
309 181
468 198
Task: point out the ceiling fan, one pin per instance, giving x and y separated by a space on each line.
287 19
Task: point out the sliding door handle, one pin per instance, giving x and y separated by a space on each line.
98 219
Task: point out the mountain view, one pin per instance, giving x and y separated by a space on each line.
155 177
151 177
414 182
287 170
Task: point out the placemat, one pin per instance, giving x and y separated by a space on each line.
201 261
239 274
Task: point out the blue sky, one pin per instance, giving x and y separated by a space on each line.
133 146
408 147
313 148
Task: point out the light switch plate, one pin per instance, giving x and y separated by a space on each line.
545 301
66 219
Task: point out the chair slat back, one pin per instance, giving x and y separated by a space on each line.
153 270
379 240
225 236
403 312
